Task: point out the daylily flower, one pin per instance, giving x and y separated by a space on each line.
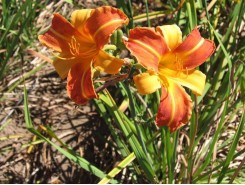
170 64
80 44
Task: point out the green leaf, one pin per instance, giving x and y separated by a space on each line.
128 132
117 169
231 150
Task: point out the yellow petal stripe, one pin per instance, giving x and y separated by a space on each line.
102 22
175 106
195 48
80 84
59 35
108 24
147 47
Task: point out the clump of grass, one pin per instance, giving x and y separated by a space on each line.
17 30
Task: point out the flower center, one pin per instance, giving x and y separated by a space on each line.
178 63
180 67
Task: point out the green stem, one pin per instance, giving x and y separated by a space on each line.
117 169
147 13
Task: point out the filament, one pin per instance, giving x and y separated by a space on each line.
74 46
180 67
62 58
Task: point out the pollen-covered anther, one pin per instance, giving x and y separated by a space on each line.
74 46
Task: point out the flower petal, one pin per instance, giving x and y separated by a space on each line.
66 39
147 83
59 34
79 18
172 35
79 83
147 46
194 50
193 79
103 22
175 107
107 63
64 64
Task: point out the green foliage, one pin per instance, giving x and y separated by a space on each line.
17 30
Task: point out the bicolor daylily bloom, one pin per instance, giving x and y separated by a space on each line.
170 64
80 47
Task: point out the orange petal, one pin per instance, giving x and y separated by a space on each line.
59 34
147 83
172 35
79 83
175 107
103 22
147 46
64 64
194 50
66 39
79 18
107 63
193 79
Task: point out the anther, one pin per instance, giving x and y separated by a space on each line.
74 46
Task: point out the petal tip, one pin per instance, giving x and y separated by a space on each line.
80 85
175 108
103 21
147 83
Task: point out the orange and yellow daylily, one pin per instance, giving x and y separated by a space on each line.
170 64
80 46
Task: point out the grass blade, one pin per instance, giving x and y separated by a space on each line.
125 127
232 150
117 169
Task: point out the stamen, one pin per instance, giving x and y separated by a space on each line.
62 58
180 67
178 63
74 46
